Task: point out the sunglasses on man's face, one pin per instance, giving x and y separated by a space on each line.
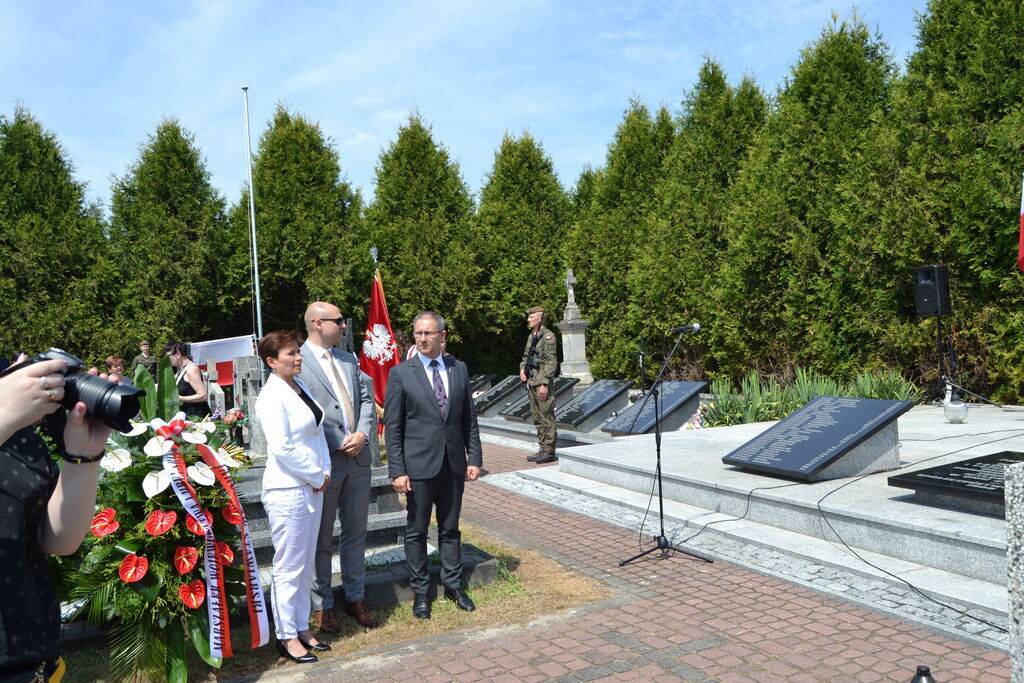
336 321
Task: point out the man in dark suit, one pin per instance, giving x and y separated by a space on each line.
333 378
433 447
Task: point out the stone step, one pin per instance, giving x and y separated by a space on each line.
865 512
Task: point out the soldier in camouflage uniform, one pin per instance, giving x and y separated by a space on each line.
538 369
146 360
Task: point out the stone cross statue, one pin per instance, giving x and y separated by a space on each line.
569 282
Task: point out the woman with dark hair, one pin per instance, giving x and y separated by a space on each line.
46 511
298 469
191 389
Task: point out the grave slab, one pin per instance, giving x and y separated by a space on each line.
831 437
480 383
500 396
594 405
679 401
974 485
520 410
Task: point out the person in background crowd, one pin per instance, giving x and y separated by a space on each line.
46 510
191 388
298 469
146 360
115 366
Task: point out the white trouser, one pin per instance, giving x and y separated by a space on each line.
294 516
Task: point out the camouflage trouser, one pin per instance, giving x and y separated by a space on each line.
543 413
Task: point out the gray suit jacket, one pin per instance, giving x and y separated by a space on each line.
417 437
362 404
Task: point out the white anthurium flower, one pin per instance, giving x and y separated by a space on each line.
116 460
193 437
157 446
155 482
207 426
225 458
201 474
137 428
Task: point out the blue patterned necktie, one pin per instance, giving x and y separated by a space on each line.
442 398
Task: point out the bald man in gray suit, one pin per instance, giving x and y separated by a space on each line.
333 378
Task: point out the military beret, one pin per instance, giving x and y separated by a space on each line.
535 309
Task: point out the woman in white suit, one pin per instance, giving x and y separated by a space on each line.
298 469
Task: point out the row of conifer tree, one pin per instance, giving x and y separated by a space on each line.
787 223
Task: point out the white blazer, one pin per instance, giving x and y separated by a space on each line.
296 448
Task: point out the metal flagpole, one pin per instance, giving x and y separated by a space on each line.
252 216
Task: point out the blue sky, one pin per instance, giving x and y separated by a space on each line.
102 75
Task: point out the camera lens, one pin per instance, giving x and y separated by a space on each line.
113 404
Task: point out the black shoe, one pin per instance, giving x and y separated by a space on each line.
547 457
460 599
307 658
421 607
319 647
535 456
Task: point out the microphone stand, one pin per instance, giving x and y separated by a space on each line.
661 540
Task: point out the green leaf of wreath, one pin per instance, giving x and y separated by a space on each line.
199 629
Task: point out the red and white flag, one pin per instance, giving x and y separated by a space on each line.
380 352
1020 248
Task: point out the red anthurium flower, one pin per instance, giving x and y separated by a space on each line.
133 568
231 514
193 525
225 553
104 524
185 558
160 521
193 594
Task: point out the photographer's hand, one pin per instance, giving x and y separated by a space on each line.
71 506
84 436
30 394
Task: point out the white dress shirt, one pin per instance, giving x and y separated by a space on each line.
440 368
325 358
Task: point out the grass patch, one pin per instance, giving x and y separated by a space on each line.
528 586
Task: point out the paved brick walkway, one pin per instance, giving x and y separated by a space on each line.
670 619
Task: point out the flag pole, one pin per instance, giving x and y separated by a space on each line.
252 216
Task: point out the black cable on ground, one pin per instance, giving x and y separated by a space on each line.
900 578
746 511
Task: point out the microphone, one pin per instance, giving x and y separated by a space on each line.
685 328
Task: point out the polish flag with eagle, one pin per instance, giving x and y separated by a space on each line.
380 352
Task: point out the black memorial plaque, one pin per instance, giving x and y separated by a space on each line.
492 396
816 435
520 410
976 479
480 382
590 400
639 417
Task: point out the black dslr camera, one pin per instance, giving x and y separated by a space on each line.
113 404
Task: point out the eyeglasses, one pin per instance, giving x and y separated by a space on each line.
424 333
337 321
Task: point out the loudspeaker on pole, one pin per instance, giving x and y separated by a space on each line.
931 293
